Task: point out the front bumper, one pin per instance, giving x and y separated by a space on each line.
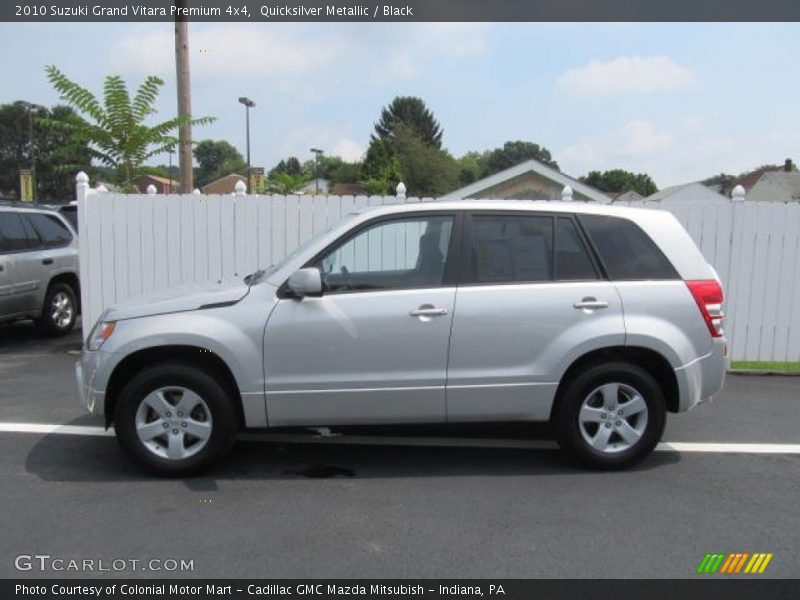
85 372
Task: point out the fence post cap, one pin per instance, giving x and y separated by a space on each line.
101 188
566 194
151 189
196 191
240 188
400 189
737 194
82 178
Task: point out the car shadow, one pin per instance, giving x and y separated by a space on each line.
23 335
68 458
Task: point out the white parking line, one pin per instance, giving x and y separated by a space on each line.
453 442
724 448
48 428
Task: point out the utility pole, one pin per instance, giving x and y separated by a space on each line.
184 100
169 171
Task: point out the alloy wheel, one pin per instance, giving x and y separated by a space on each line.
61 310
173 423
613 418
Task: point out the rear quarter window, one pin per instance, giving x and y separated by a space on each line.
625 250
70 213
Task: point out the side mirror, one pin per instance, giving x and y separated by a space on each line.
305 282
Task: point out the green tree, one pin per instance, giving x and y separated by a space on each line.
424 169
285 183
345 172
725 180
414 115
215 159
114 129
513 153
470 167
380 172
57 153
620 180
290 165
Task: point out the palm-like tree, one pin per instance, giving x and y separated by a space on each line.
115 130
285 183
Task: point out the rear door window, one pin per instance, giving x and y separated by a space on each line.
511 249
50 229
573 262
12 233
34 241
625 250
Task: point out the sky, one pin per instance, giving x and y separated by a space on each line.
678 101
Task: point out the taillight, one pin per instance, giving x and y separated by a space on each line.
708 295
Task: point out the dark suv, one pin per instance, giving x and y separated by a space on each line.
38 268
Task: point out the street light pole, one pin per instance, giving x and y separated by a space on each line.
248 104
317 152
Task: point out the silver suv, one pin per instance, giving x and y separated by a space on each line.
38 268
598 319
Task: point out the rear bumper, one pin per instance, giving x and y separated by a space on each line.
702 378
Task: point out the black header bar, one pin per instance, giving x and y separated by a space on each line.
253 11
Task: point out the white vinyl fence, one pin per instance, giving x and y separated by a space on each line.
134 244
755 249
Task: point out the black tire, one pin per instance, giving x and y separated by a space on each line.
49 322
571 434
223 420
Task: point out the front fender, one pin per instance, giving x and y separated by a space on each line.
233 335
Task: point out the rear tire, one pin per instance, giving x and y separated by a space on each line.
610 416
175 420
60 310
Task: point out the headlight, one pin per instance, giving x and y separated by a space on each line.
101 332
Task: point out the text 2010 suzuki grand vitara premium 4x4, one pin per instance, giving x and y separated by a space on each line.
600 319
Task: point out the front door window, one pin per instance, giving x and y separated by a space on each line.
396 254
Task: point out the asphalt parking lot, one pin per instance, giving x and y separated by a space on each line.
384 508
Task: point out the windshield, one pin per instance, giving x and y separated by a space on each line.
254 278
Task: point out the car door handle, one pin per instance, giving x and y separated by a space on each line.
47 261
428 310
590 304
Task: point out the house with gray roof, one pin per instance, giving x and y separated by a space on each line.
687 193
529 180
776 186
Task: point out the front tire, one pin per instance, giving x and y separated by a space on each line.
611 415
60 310
175 420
